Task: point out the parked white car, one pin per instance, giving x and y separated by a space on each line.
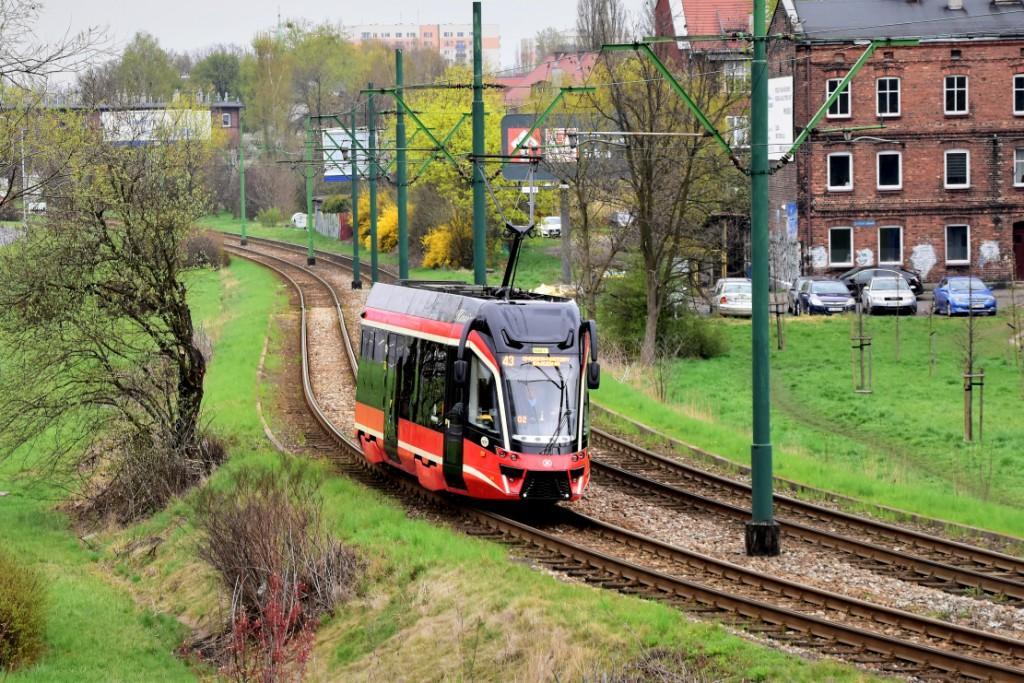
298 220
551 226
888 294
733 296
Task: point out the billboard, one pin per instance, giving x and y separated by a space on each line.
780 116
558 143
146 126
337 150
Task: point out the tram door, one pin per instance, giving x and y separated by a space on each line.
392 380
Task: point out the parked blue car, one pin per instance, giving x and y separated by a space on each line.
962 294
825 296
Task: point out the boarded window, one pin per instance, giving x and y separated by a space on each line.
957 169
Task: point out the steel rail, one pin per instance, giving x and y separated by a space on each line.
661 584
980 556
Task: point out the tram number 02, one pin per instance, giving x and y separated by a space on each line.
521 419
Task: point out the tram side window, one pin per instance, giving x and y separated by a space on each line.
430 401
371 370
483 397
407 376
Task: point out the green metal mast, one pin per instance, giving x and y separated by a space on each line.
479 198
762 531
310 257
403 189
241 183
357 280
372 123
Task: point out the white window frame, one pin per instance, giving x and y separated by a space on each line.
852 250
879 238
828 173
967 95
945 169
225 119
849 99
878 97
878 170
946 237
1018 160
1018 85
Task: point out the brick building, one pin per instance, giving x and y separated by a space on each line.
920 162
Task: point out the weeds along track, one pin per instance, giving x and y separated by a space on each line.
803 616
910 555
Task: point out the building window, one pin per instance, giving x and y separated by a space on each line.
958 168
956 94
447 34
365 35
840 172
1018 167
460 34
225 120
410 35
840 246
840 109
958 244
890 244
890 171
888 90
1018 94
428 34
739 130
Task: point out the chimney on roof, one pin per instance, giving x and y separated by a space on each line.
955 4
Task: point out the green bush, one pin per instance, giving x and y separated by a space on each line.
681 333
268 218
336 203
22 615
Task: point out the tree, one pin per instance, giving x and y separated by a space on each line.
147 70
98 345
321 59
25 62
550 41
267 81
599 22
677 175
219 69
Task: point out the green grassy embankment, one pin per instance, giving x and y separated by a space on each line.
434 603
540 262
900 446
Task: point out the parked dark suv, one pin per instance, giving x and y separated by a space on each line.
856 278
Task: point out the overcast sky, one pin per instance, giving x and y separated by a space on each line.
186 25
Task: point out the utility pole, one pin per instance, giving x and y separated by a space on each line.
403 190
762 531
479 199
372 124
310 257
357 280
24 182
241 183
565 233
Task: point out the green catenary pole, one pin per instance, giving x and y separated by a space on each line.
762 531
479 199
357 280
241 183
310 257
371 122
403 189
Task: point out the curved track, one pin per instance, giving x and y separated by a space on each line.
894 641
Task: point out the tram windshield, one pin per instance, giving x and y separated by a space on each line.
544 394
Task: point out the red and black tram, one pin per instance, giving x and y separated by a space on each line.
481 391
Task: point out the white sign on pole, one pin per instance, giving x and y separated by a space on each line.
337 150
780 116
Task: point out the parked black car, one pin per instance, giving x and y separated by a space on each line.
825 296
793 294
856 278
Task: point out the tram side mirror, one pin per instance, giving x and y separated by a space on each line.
460 372
593 375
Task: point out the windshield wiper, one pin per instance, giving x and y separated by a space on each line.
562 412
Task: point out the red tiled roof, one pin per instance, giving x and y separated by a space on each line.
574 69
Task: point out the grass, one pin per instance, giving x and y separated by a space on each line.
539 263
434 604
901 445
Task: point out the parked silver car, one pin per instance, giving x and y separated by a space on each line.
888 293
732 297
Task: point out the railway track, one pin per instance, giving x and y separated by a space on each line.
887 639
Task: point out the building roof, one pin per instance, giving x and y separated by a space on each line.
865 19
564 69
